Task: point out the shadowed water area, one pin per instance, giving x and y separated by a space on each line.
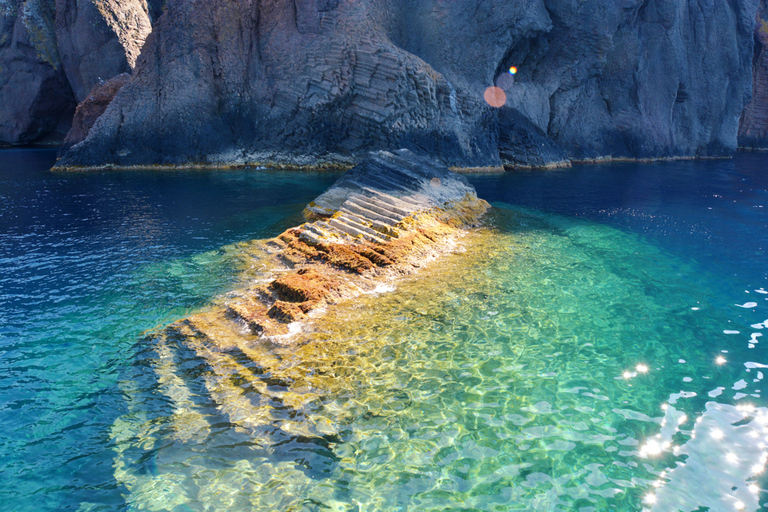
596 346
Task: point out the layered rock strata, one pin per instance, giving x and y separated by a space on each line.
386 218
318 82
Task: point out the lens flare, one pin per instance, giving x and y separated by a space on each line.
512 70
495 97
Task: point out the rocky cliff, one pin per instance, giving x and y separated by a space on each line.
52 52
326 81
753 129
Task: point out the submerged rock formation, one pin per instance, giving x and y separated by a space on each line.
753 129
53 52
382 219
326 81
390 215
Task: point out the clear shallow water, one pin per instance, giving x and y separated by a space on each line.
88 261
509 376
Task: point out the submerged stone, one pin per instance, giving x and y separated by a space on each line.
383 219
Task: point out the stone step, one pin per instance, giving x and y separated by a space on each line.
382 214
380 206
353 206
410 202
354 229
385 230
247 403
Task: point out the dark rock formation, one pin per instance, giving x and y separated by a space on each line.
52 52
524 145
753 129
637 78
91 108
35 97
99 39
308 81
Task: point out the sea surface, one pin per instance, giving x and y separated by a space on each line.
598 345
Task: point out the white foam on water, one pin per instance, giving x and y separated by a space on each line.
731 332
747 305
383 288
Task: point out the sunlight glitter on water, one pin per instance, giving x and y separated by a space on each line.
495 380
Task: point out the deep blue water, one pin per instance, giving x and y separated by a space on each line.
712 211
89 261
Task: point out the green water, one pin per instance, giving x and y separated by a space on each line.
551 364
567 358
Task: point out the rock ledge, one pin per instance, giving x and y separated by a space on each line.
383 219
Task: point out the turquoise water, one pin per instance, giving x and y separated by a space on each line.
596 347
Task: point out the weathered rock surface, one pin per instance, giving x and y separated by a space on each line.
35 97
384 218
524 145
753 128
52 52
312 81
91 108
99 39
637 78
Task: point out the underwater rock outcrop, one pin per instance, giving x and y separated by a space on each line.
323 82
384 219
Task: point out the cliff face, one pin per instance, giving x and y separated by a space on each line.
313 81
99 39
753 129
637 78
52 52
35 97
305 80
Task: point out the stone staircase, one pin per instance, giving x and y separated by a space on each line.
379 220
